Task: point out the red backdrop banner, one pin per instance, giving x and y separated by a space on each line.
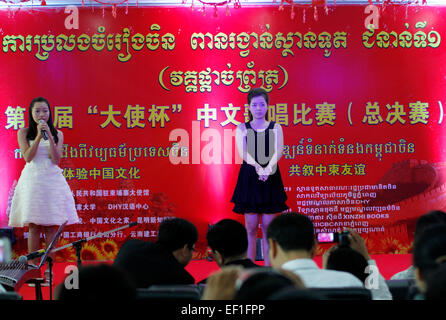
149 101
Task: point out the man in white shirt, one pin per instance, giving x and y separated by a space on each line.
292 246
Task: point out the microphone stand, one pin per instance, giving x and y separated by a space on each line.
49 260
77 245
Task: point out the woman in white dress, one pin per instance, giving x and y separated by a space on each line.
42 198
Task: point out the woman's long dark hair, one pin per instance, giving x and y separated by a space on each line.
32 132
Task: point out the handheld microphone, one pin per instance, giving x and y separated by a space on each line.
32 255
44 134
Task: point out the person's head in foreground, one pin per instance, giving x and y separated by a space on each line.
429 255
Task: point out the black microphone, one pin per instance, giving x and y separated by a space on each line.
32 255
44 134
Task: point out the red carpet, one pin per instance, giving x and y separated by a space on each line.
388 264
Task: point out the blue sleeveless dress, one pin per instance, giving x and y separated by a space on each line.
252 195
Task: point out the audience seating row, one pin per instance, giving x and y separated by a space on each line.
400 289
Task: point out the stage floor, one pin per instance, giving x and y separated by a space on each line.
388 264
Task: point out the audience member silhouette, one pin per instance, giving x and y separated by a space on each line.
353 257
429 254
97 282
236 283
162 262
425 221
228 241
348 260
436 284
260 284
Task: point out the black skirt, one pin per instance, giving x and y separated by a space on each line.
252 195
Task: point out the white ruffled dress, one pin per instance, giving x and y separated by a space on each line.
42 195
